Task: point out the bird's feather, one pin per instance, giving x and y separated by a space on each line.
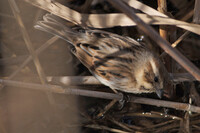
116 61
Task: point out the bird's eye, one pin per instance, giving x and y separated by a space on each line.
156 79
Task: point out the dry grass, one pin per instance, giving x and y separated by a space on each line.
32 60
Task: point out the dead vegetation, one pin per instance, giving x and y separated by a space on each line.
32 60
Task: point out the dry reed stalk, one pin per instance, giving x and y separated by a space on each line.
104 95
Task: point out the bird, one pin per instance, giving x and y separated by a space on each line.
118 62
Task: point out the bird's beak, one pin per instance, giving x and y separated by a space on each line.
159 92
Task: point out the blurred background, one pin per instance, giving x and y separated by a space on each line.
24 110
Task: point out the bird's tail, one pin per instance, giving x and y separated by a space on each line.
54 25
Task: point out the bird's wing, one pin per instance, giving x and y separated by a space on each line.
108 56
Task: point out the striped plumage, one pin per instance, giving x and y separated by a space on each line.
116 61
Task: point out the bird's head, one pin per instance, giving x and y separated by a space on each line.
150 75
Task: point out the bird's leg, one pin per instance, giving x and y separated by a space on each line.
122 102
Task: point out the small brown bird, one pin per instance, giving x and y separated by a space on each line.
116 61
